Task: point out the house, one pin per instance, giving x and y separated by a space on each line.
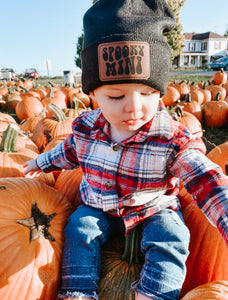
201 49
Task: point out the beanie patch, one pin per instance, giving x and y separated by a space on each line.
123 60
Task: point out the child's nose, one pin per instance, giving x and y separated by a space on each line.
134 103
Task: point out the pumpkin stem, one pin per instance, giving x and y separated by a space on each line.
38 224
24 88
9 138
216 98
51 83
76 102
187 98
179 111
57 112
132 252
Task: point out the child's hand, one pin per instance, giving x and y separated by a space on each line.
31 167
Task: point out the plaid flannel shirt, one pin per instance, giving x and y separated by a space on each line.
138 177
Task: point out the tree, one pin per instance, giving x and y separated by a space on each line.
174 38
226 31
77 58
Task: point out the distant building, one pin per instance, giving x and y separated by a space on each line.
201 49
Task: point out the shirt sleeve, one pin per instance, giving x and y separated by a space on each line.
206 183
63 156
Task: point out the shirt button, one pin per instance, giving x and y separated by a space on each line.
115 148
108 185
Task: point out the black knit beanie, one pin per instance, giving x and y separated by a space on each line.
124 43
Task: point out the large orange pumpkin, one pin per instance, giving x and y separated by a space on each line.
32 219
208 258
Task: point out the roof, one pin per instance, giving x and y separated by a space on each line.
203 36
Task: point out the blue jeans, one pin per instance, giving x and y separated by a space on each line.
165 241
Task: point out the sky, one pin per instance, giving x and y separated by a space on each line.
36 32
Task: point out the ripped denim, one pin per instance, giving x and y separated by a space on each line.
87 230
165 241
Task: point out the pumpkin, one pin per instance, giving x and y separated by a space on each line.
208 257
32 220
12 99
171 97
42 91
198 96
54 142
84 100
183 89
206 94
215 89
28 107
187 119
5 120
219 77
57 97
49 128
68 183
75 110
29 124
15 150
215 290
121 263
215 112
29 93
219 155
192 107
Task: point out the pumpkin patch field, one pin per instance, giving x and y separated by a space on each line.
34 208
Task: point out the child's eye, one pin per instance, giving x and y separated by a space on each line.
116 98
147 94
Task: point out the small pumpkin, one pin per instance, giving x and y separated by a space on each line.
49 128
219 155
28 107
171 97
219 77
187 119
192 106
215 112
15 150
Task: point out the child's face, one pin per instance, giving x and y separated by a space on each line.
127 107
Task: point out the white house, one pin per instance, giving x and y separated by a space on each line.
202 48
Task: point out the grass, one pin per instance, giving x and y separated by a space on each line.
188 77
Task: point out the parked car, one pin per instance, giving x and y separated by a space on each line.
31 73
220 63
8 73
